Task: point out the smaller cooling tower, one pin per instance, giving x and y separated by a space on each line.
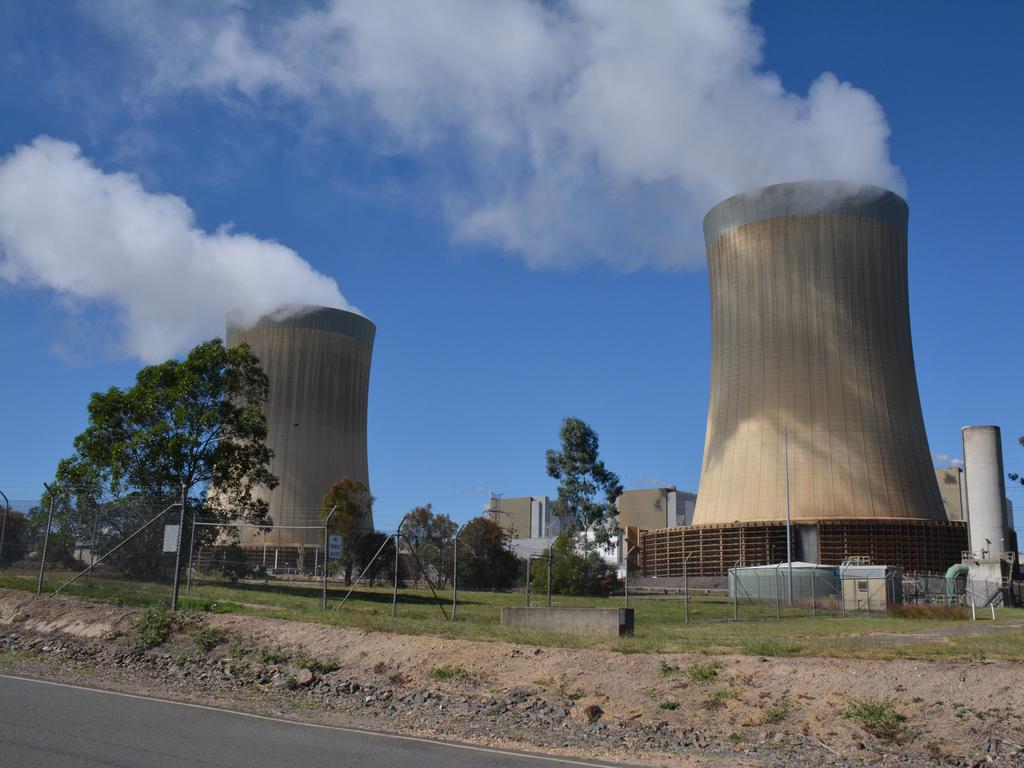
318 362
986 491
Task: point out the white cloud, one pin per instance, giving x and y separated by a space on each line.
585 130
101 237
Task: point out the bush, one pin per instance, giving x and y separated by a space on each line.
877 716
316 666
155 627
446 672
208 638
702 673
576 573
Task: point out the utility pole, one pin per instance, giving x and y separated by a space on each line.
177 553
455 569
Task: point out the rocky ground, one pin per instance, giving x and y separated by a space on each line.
651 709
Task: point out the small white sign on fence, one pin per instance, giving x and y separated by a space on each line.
170 538
334 545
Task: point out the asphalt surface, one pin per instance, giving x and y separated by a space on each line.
46 724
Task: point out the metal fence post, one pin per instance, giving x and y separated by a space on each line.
455 569
686 590
191 555
394 593
46 541
778 596
177 554
814 577
3 525
549 577
735 591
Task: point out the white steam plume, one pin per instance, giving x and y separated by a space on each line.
581 130
100 237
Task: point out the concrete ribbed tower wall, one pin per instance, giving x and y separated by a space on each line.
990 536
318 362
811 345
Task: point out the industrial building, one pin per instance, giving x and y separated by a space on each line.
814 415
318 362
655 508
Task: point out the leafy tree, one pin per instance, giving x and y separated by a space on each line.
430 535
575 572
366 547
15 543
194 425
485 561
353 506
582 480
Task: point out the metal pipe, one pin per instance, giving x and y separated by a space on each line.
46 541
177 553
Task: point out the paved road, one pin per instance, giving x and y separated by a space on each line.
47 724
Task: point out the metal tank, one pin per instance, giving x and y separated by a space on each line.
814 403
986 491
318 362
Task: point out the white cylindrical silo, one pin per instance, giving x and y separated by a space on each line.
986 491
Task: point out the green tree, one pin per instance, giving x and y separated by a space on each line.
369 545
485 561
353 507
195 425
575 572
430 535
587 490
15 543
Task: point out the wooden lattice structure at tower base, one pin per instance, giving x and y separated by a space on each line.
712 549
922 546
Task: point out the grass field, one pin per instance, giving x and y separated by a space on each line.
659 621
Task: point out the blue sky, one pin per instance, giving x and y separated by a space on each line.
491 329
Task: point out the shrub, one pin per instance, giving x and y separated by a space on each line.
155 627
316 666
667 670
877 716
703 673
272 655
670 705
446 672
776 713
208 638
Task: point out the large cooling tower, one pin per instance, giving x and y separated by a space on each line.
318 363
811 337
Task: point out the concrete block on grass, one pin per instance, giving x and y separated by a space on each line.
571 621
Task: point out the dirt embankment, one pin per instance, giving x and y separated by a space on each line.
656 709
